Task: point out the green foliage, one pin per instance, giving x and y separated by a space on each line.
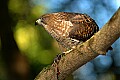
33 41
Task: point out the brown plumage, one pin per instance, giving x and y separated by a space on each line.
67 28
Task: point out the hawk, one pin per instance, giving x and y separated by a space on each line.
69 29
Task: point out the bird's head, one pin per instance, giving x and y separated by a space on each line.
44 20
56 24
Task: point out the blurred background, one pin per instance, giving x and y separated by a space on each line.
25 48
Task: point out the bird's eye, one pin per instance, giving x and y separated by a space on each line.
43 21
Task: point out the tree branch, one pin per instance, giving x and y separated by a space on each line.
83 53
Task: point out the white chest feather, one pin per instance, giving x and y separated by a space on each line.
63 28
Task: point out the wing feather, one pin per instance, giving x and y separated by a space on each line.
83 27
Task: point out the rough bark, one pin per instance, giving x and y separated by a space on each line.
83 53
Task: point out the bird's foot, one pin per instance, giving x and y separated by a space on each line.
59 56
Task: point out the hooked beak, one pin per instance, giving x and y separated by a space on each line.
37 22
